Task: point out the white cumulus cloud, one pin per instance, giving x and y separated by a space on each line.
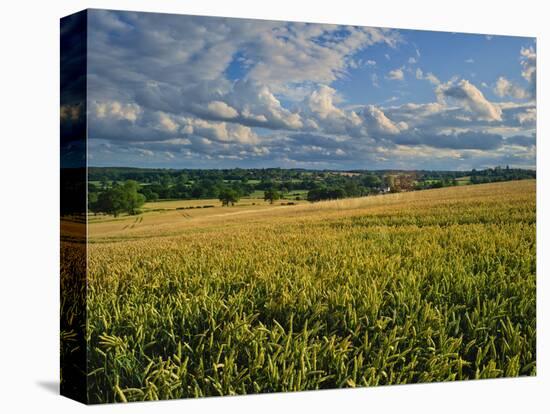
396 74
504 87
470 98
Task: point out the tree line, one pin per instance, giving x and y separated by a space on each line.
120 198
125 190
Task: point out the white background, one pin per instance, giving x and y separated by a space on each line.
29 249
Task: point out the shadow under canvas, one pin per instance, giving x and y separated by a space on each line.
50 386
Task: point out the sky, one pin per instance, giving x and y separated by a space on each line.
175 91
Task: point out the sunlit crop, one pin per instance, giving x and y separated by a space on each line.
435 285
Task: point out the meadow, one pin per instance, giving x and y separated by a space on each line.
424 286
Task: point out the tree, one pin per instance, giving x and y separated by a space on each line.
271 195
351 189
389 181
104 183
118 199
228 196
336 193
371 181
108 202
404 182
314 194
92 202
92 188
132 198
149 194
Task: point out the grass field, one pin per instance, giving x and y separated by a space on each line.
463 180
425 286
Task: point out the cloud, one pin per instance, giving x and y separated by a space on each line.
522 140
471 98
458 140
168 123
379 123
293 54
156 60
321 102
430 77
314 149
528 59
396 74
320 140
504 87
413 111
221 131
222 110
242 134
130 123
469 60
320 108
245 102
260 107
466 140
117 110
529 116
189 90
145 152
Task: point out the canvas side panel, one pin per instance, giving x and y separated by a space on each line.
73 151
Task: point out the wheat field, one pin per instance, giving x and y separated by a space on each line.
434 285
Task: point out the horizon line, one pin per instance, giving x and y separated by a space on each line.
311 169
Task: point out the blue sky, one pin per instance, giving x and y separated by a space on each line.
475 57
205 92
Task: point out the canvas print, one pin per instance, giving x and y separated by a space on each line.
253 206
